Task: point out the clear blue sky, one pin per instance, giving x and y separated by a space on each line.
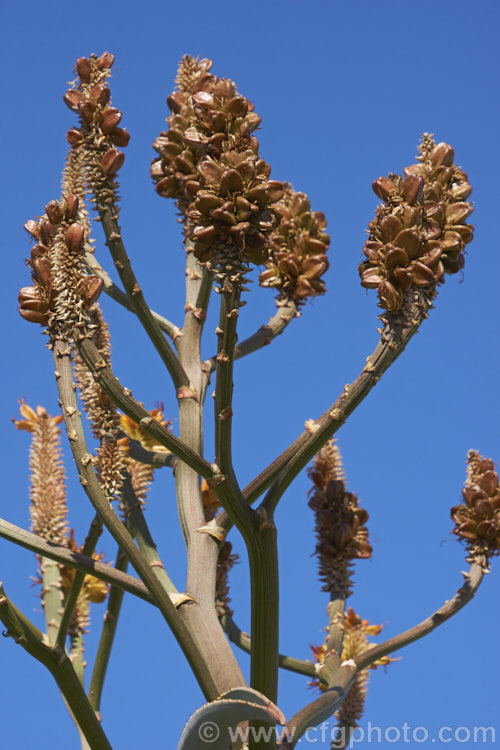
345 90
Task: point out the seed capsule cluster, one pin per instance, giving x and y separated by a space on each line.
61 289
419 233
209 163
298 245
477 518
99 134
340 523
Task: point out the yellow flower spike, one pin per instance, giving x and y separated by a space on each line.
137 433
32 417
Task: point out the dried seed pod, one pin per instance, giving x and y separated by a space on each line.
83 69
477 519
112 161
105 61
73 98
90 289
74 136
423 215
74 237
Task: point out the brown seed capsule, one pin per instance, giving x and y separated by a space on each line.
100 94
74 136
110 119
237 106
412 188
38 250
176 101
389 227
395 257
390 297
458 212
409 241
54 212
258 195
88 110
403 277
90 289
33 228
120 137
370 279
74 237
206 202
422 275
73 98
47 232
42 271
33 316
71 203
442 155
112 161
105 61
203 100
231 182
84 69
489 482
383 187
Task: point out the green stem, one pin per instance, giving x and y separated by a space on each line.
133 409
202 551
59 665
463 596
52 597
65 556
93 490
244 642
140 531
118 295
265 334
108 217
106 640
285 468
88 549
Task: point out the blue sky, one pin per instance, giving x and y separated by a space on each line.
345 90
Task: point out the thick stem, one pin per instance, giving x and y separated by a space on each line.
244 642
93 490
202 551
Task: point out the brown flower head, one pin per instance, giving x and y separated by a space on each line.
477 518
298 245
209 163
341 533
419 232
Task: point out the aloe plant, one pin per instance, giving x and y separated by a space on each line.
234 218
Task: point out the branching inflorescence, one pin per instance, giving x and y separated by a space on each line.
234 216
